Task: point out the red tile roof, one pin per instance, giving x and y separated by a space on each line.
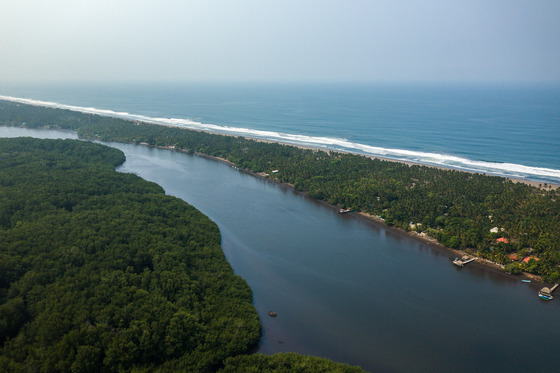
513 256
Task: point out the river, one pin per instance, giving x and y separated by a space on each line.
350 290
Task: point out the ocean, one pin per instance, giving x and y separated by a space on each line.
505 130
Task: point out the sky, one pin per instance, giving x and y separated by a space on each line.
287 41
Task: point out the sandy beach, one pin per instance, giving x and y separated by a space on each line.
537 184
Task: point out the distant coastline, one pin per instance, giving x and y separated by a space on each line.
538 184
532 175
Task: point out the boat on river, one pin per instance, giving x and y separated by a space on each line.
546 293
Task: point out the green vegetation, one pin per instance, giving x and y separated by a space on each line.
101 271
512 268
458 209
285 362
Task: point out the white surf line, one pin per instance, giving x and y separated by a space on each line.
328 143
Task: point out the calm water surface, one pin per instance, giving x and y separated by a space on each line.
352 291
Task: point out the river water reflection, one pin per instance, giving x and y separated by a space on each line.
353 291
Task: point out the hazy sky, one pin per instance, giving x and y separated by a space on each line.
260 40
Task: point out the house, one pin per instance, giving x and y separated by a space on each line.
526 259
502 239
513 257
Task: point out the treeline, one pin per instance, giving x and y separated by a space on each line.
284 362
102 272
461 210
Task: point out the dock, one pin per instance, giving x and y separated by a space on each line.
463 261
546 293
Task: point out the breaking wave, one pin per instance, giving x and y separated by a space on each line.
540 174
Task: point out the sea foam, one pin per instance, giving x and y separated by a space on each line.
327 143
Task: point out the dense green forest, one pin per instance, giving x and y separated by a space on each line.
461 210
101 271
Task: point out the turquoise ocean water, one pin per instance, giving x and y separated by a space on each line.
507 130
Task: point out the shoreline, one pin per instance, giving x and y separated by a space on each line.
537 184
91 111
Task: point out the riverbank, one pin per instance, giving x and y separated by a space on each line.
379 222
346 277
480 261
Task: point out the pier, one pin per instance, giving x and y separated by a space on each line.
546 293
463 261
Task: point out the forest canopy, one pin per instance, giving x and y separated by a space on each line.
101 271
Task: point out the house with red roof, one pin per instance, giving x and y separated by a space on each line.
502 239
513 257
527 258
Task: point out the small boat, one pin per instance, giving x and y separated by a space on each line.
545 294
526 280
272 314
